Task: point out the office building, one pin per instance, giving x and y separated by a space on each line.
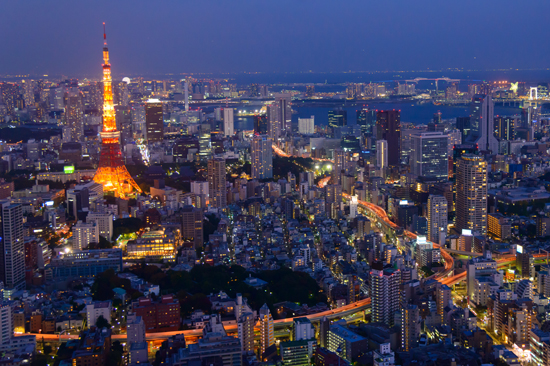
162 315
154 121
505 127
381 155
205 141
228 124
388 127
284 112
262 157
12 248
471 194
7 324
384 291
482 118
410 327
84 234
217 182
74 114
104 223
267 337
155 245
366 118
88 263
346 343
297 353
463 125
192 225
337 118
306 126
261 125
429 155
437 218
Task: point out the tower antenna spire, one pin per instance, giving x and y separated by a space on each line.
104 33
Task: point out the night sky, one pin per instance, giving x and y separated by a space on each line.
157 37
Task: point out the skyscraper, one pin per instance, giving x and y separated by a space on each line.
505 127
482 117
261 125
273 123
228 124
205 141
284 112
437 217
154 122
471 194
337 118
12 248
366 118
192 225
262 157
384 291
216 183
111 173
74 113
267 337
388 127
429 155
381 154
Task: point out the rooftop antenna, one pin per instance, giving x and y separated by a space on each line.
104 34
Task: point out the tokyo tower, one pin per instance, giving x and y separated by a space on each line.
111 173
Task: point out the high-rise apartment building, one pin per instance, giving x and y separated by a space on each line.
216 183
333 199
12 247
306 126
84 234
245 325
482 117
74 114
388 127
267 337
104 223
429 155
154 121
205 141
410 327
339 167
228 123
384 291
192 225
471 194
262 157
437 217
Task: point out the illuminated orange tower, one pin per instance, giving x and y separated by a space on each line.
111 173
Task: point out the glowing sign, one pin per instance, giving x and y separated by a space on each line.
403 202
519 249
69 169
49 203
467 232
420 239
514 87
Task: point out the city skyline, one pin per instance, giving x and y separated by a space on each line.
180 38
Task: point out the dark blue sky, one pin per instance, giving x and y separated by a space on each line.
175 36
